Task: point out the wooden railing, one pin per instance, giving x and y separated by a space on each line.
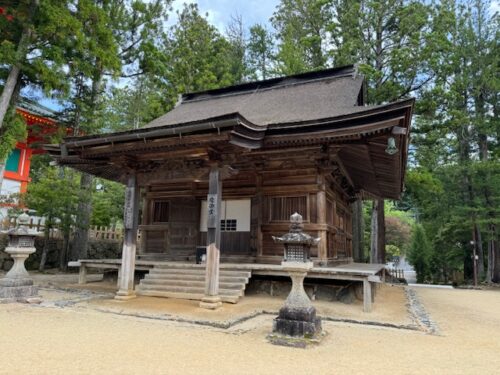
105 233
398 273
95 232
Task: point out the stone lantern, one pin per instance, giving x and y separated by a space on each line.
297 323
17 285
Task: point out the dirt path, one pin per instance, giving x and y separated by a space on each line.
80 340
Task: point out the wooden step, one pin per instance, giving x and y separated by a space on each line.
193 277
201 271
189 289
190 296
187 281
191 283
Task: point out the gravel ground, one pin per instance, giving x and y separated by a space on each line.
80 339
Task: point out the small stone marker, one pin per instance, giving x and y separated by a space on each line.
17 286
297 324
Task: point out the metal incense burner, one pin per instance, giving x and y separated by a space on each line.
297 324
17 285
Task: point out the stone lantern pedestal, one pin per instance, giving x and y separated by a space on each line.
17 285
297 324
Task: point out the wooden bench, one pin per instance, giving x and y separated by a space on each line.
85 264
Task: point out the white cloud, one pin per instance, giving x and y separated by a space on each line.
495 6
220 11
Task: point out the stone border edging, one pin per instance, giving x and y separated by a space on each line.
416 310
418 313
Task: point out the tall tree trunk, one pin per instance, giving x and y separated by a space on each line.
15 70
374 233
381 232
8 90
45 250
480 253
81 238
496 259
358 228
63 255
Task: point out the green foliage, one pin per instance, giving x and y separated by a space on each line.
55 196
392 251
13 131
107 203
419 254
132 106
260 51
301 28
197 55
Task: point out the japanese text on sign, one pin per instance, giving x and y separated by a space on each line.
212 210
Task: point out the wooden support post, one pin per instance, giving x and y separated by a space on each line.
211 300
321 219
367 296
260 198
118 278
82 276
357 230
131 216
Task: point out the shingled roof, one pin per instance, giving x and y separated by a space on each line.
323 108
324 94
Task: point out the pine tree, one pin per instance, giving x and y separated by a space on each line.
301 29
420 253
260 51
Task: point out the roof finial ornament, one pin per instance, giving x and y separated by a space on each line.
179 100
356 71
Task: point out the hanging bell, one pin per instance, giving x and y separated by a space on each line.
391 146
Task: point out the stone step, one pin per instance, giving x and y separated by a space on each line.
191 283
198 271
188 289
193 277
179 295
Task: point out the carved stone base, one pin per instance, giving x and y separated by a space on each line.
125 295
26 293
295 342
16 282
297 322
211 302
297 327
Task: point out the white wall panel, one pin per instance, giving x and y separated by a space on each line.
238 209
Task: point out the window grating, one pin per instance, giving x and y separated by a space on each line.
160 212
228 225
283 207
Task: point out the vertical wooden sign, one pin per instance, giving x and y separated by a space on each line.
213 213
128 210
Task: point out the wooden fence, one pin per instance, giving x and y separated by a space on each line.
398 273
95 232
105 233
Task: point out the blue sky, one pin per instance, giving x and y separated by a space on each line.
220 11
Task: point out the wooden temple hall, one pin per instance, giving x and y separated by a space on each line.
257 153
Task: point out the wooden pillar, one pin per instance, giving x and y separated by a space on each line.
367 296
82 276
141 248
357 230
131 218
211 300
321 219
260 202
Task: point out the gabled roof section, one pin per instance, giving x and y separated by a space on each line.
302 97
